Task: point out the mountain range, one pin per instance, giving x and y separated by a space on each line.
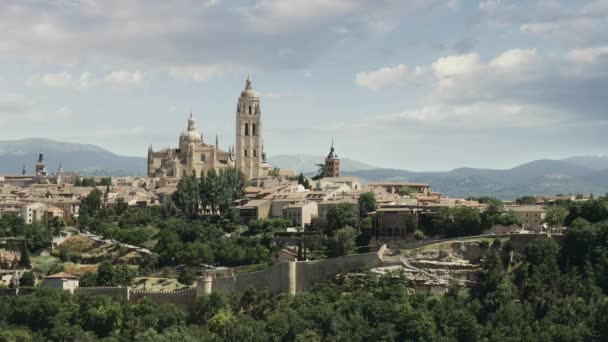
578 174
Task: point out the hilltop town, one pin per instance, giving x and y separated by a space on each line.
207 221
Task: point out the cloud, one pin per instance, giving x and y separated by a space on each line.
65 80
197 72
518 88
398 75
587 55
156 34
16 108
122 78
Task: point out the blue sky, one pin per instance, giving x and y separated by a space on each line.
420 85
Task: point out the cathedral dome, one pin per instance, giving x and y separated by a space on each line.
248 91
192 135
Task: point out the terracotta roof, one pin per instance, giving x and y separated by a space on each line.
62 275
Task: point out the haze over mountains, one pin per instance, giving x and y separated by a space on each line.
579 174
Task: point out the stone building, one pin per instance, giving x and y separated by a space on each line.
250 157
194 155
62 280
331 168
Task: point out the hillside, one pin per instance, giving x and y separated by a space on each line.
83 158
541 177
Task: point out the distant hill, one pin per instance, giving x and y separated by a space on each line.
86 159
580 174
306 163
592 162
540 177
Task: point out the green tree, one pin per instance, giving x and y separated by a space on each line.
27 279
367 203
186 276
343 241
106 276
187 197
458 221
91 203
24 260
526 200
555 216
342 215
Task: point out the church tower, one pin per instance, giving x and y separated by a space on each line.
331 168
249 133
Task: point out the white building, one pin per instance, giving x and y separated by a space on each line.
62 280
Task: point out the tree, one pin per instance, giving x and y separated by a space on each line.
458 221
367 203
555 216
24 260
88 279
186 197
91 203
106 276
27 279
526 200
186 276
342 215
343 241
303 181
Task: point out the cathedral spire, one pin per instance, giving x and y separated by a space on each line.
248 82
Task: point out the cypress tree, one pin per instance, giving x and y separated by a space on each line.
24 261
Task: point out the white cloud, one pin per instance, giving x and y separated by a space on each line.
398 75
456 65
515 58
587 55
16 108
65 80
121 78
197 72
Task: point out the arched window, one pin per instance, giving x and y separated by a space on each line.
246 129
253 129
203 157
249 110
245 152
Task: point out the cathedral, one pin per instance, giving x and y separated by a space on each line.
195 156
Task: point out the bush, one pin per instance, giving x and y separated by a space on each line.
419 235
27 279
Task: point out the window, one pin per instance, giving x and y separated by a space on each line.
245 152
246 129
253 129
249 110
203 157
255 152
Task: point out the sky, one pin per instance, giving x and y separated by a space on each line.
418 85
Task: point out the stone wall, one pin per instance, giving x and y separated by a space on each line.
185 298
117 292
292 277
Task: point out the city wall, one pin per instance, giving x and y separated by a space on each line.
185 298
292 276
118 292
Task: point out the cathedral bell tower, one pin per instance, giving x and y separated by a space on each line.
249 133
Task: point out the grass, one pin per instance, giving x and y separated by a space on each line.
159 284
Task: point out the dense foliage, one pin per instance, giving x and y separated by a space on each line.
541 296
